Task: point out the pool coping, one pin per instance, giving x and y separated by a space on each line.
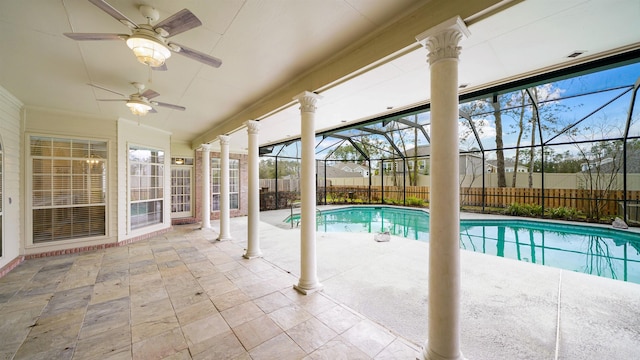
481 216
505 313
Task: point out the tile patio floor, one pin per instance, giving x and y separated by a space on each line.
183 295
180 295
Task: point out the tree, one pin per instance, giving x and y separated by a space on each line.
474 111
534 122
601 163
521 129
400 137
267 168
345 152
497 115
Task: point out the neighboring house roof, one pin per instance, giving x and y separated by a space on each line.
421 150
425 150
337 170
508 163
351 167
607 164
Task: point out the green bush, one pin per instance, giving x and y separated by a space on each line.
415 201
516 209
563 213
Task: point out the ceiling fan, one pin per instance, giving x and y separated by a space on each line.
149 42
140 103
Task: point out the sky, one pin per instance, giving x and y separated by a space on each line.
598 102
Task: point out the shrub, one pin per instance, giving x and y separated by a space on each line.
392 202
415 201
516 209
563 213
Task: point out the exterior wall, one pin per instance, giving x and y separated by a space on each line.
67 125
10 130
244 186
131 133
118 133
182 149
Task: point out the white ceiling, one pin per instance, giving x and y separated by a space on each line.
265 45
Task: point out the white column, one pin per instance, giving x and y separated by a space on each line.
206 187
308 282
224 188
444 203
253 220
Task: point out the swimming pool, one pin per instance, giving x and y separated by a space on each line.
598 251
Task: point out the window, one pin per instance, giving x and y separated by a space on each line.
68 187
146 186
234 184
181 187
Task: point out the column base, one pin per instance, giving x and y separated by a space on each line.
430 355
308 290
252 255
223 238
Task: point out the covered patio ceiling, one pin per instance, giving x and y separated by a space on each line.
562 109
526 39
361 56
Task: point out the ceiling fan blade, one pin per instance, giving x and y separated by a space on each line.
196 55
160 68
114 13
153 111
95 36
170 106
106 89
150 94
179 22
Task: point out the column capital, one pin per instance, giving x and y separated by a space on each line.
307 101
442 40
206 147
253 127
224 139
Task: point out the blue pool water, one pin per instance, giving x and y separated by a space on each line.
604 252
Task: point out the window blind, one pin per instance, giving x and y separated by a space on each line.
68 186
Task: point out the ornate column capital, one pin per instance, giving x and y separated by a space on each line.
206 147
442 40
307 101
224 139
253 127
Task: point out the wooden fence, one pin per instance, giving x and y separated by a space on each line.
594 204
600 202
283 185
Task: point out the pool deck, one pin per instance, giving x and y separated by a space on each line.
510 309
184 295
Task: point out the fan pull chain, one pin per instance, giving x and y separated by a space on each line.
150 74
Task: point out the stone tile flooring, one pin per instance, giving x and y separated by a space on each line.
180 295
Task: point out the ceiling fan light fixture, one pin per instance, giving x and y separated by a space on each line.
148 51
138 108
